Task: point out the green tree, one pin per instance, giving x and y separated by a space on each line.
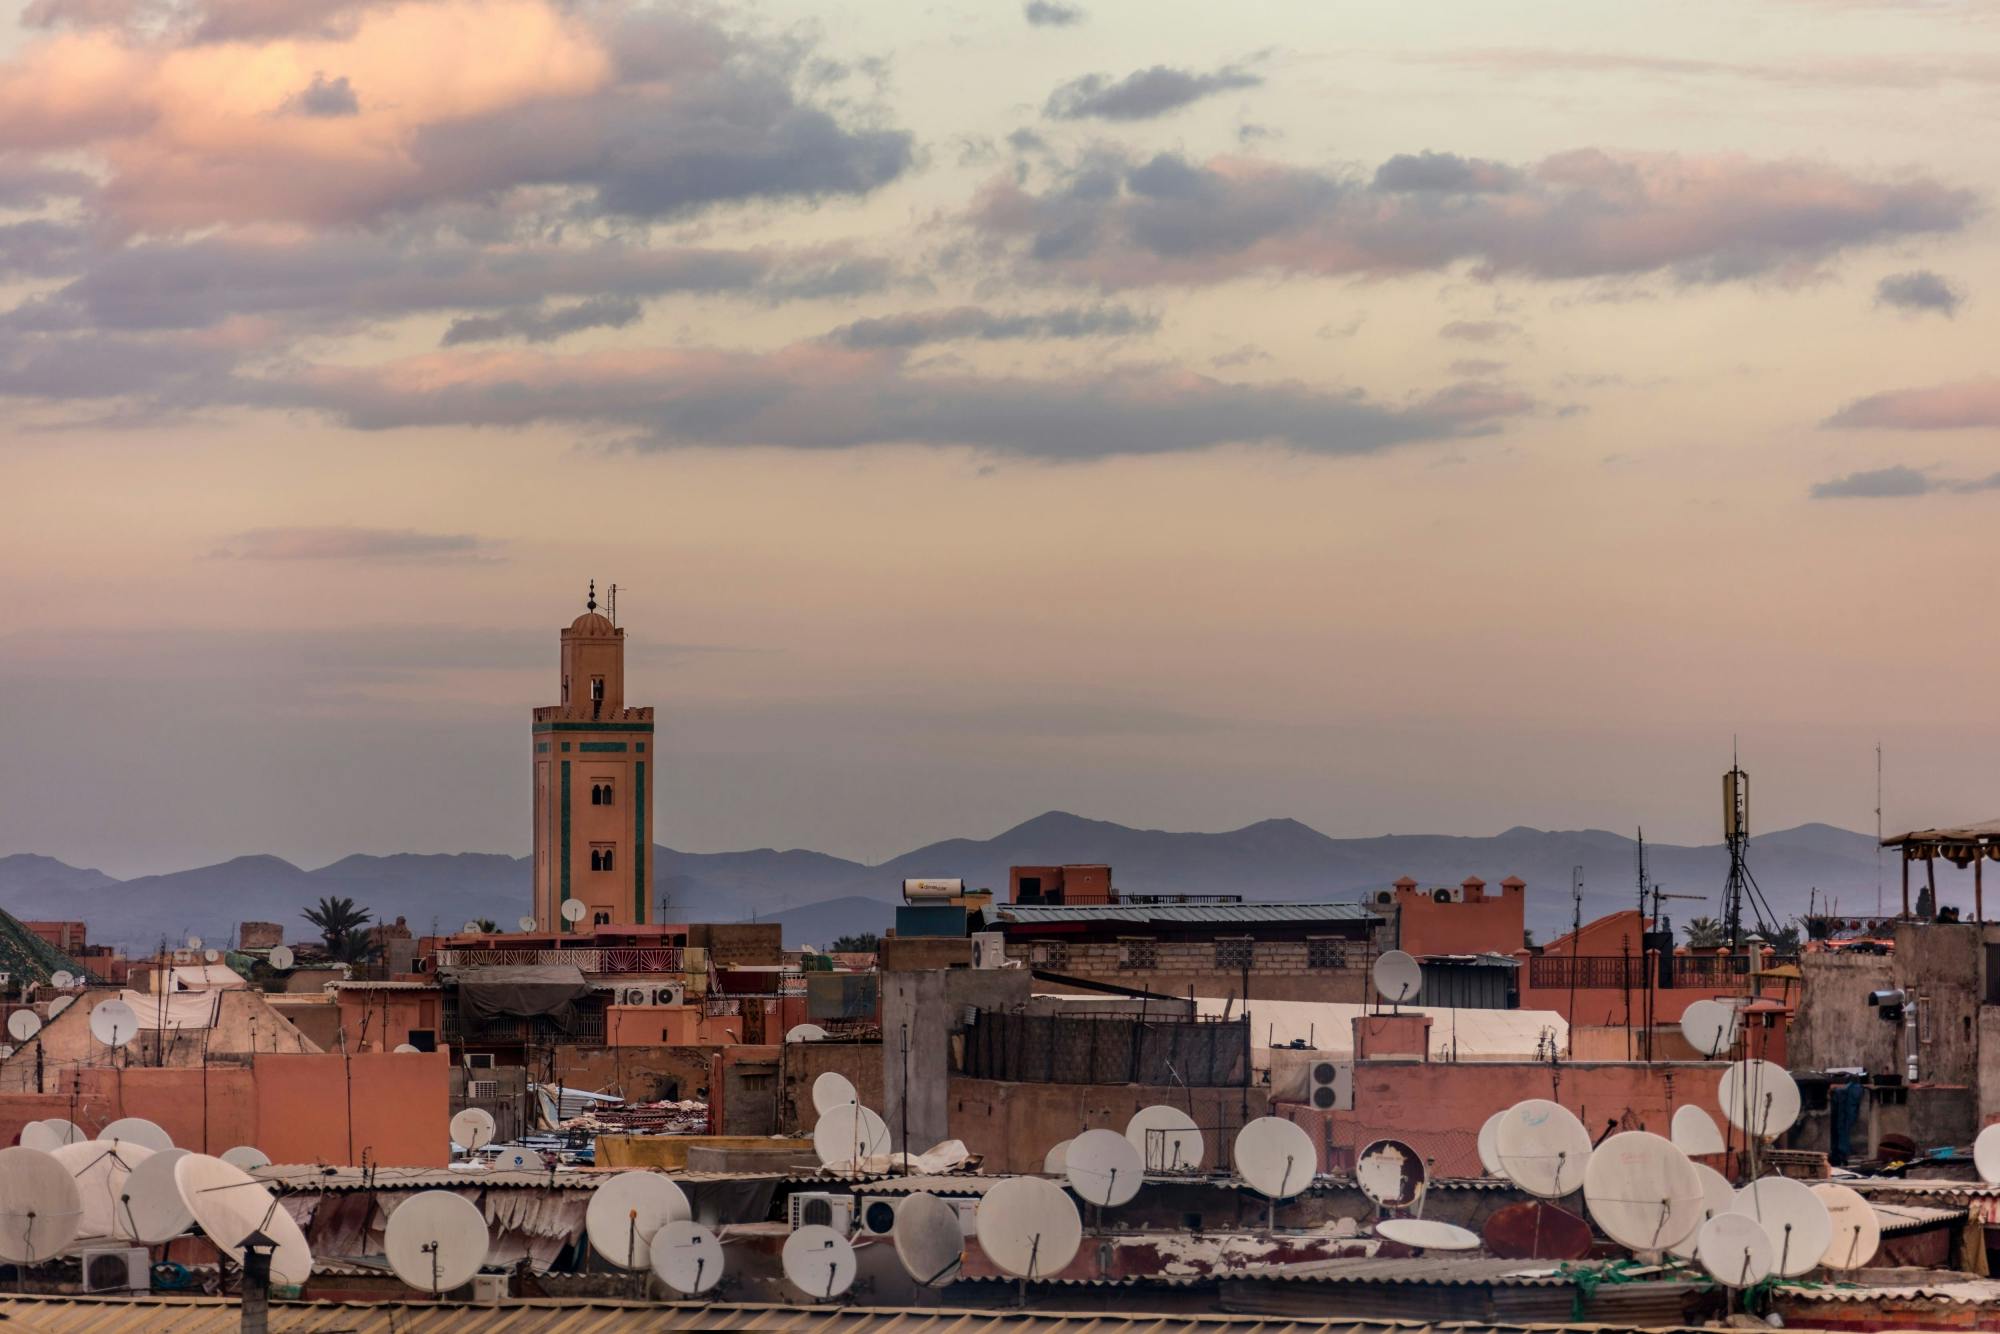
487 925
862 942
1783 939
1703 933
342 925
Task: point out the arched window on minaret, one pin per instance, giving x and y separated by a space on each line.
596 860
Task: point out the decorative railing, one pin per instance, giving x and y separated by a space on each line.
1613 972
595 961
1715 972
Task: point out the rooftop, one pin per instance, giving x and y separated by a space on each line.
1143 914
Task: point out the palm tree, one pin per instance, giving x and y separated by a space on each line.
341 925
1703 933
488 926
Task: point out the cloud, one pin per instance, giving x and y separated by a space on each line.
1141 95
1477 367
28 185
1111 220
1898 482
1480 331
322 97
1919 290
1050 14
971 322
545 326
1942 407
374 545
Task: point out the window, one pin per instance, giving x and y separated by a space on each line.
1326 952
1233 953
565 689
1031 889
600 794
603 918
600 857
596 690
1141 952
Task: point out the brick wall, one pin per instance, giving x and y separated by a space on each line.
1279 969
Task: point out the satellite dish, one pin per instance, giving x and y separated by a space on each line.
687 1257
1391 1173
230 1205
248 1157
1543 1148
211 956
101 1172
151 1210
1276 1157
51 1134
405 1049
1857 1232
1709 1027
1103 1167
1717 1197
23 1024
1643 1191
194 942
1398 977
40 1209
6 1050
929 1240
472 1129
471 928
59 1004
1056 1159
1167 1139
846 1136
1759 1098
436 1241
573 910
1489 1152
818 1261
1797 1220
1029 1227
1694 1131
832 1090
281 957
1986 1154
805 1033
520 1160
62 979
1537 1230
114 1023
627 1210
1734 1250
137 1130
1427 1234
525 921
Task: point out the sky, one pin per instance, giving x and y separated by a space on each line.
1397 417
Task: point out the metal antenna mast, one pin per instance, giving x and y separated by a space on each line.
1741 886
1878 829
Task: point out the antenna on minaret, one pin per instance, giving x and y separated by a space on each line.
591 603
611 603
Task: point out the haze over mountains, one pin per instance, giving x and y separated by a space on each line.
818 897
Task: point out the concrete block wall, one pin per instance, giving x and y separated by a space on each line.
1279 969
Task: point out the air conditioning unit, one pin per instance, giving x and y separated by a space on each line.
968 1216
878 1215
489 1289
635 995
124 1269
482 1090
667 994
1331 1086
989 949
826 1208
1441 896
479 1060
1384 897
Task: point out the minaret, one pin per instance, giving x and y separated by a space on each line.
593 803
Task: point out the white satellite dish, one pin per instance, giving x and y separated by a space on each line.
805 1033
1103 1167
1857 1232
1029 1227
23 1024
59 1004
211 956
929 1240
101 1171
6 1050
40 1209
62 979
1643 1192
1489 1152
1986 1154
832 1090
47 1136
526 921
1717 1197
194 942
1391 1173
1734 1250
1542 1148
574 911
137 1130
405 1049
687 1257
1399 978
627 1210
248 1157
849 1135
818 1261
472 1129
519 1160
1709 1027
1759 1098
151 1210
1695 1132
1276 1157
436 1240
1167 1139
114 1023
230 1205
1427 1234
281 957
1797 1220
1056 1159
471 928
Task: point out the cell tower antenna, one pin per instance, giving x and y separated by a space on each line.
1878 829
611 603
1741 886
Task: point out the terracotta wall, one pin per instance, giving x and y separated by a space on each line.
647 1074
1489 924
1015 1125
800 1063
380 1020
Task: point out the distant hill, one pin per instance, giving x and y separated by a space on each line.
817 896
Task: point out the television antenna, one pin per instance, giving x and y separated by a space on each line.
1741 886
436 1241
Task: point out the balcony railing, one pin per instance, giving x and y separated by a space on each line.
595 961
586 1031
1713 972
1614 972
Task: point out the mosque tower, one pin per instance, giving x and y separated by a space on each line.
593 803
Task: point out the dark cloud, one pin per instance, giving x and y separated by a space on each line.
40 249
1965 404
1444 172
971 322
545 326
1049 14
327 97
1114 221
1142 94
1480 331
30 185
372 545
1919 290
1898 482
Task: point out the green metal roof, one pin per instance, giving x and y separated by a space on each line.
26 957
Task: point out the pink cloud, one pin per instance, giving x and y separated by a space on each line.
1941 407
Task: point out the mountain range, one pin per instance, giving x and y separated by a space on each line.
818 897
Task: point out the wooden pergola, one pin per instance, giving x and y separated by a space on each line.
1968 845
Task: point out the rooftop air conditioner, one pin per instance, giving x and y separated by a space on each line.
479 1060
489 1289
826 1208
482 1090
1441 896
968 1216
878 1215
1331 1086
989 949
124 1269
666 994
635 995
1384 897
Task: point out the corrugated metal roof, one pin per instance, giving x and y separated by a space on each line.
1958 1290
1433 1270
1900 1218
309 1179
1142 914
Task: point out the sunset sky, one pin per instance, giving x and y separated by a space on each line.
1402 417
